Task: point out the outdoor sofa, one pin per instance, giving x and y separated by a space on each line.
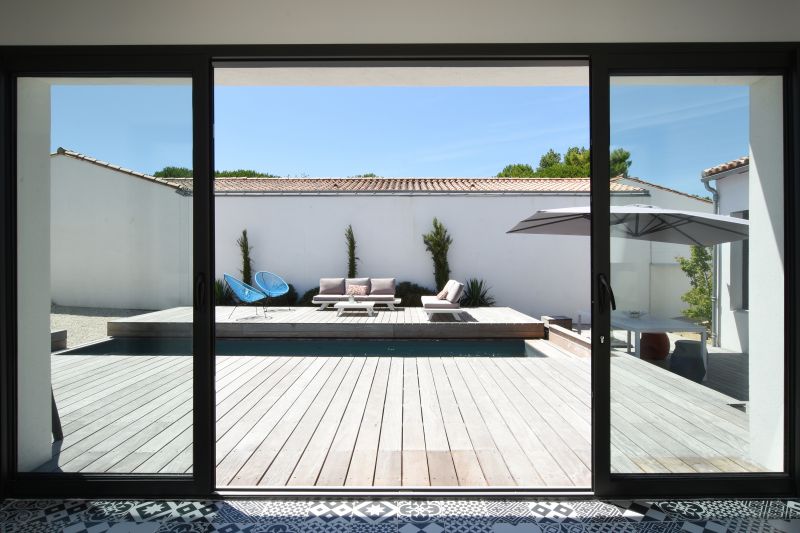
378 290
446 301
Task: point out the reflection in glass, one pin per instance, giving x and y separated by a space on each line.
698 340
101 248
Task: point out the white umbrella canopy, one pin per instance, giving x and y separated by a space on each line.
641 222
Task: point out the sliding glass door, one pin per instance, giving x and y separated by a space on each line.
104 396
696 294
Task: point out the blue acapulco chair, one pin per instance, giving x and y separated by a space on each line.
272 285
242 292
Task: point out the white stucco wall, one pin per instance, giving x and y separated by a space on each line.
33 273
118 241
733 321
766 273
301 238
645 275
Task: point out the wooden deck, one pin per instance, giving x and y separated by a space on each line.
403 323
391 421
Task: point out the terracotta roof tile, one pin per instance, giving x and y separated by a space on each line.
730 165
372 185
400 185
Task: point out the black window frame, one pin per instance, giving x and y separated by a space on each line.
107 63
197 61
697 60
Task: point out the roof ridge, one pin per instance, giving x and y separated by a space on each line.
83 157
657 186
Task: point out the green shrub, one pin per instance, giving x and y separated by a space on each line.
247 262
438 242
305 300
288 299
352 260
476 294
222 293
411 293
698 269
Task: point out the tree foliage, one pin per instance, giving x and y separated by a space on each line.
247 261
367 175
243 173
549 159
173 172
698 268
438 242
518 170
183 172
575 163
352 260
620 162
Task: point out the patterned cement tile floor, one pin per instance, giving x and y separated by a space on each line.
398 516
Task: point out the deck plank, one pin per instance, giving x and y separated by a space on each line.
391 421
388 465
361 469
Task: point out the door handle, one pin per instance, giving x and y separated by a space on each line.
606 293
199 291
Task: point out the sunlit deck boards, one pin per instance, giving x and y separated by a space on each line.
405 322
382 421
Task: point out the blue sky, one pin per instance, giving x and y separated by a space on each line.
672 132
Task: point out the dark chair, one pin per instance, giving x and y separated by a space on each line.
687 360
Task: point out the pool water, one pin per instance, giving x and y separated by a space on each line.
313 347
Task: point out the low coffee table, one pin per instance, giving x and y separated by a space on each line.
341 307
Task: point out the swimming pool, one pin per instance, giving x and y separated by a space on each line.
312 347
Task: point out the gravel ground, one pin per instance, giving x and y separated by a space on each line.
85 324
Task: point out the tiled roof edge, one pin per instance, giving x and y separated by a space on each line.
83 157
724 167
668 189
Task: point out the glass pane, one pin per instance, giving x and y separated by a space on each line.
104 249
336 173
697 360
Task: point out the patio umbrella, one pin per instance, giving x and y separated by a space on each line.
641 222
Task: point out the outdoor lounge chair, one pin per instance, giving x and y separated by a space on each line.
446 301
378 290
271 284
242 292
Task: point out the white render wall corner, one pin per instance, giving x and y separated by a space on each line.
118 241
766 329
33 273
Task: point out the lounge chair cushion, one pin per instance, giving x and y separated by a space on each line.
450 285
432 302
382 286
455 292
320 298
355 281
331 286
376 298
329 298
